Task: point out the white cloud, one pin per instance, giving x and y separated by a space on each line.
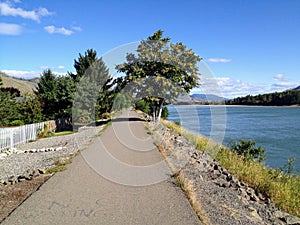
284 85
52 68
22 74
7 10
219 60
56 30
229 88
28 74
10 29
61 67
279 76
77 28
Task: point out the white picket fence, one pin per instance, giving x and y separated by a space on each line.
11 137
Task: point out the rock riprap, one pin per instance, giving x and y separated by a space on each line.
223 198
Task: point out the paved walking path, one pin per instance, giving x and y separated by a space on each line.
120 178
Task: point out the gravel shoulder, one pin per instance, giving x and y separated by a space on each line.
21 174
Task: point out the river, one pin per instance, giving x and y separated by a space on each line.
277 129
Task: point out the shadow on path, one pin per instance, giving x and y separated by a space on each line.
123 119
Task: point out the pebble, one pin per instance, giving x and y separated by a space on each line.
34 158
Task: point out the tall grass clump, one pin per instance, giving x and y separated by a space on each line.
282 187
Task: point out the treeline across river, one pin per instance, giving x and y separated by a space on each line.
285 98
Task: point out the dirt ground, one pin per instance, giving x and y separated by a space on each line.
11 196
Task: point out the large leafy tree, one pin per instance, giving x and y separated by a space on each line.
160 71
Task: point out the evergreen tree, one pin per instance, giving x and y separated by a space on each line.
83 64
55 94
30 110
94 88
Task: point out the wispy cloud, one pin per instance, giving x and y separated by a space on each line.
279 76
22 74
53 67
28 74
230 88
284 85
219 60
58 30
7 10
10 29
61 67
76 28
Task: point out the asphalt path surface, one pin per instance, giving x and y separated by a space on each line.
120 178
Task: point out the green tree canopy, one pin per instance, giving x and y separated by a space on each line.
160 71
83 64
55 94
8 109
95 91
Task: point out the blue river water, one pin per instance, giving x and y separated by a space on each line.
277 129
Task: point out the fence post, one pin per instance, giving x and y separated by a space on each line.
11 138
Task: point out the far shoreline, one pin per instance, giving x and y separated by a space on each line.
224 105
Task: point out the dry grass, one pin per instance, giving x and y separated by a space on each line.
282 189
25 86
187 187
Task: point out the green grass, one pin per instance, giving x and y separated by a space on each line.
62 133
283 189
59 166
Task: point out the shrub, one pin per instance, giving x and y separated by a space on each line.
249 150
143 106
17 123
165 113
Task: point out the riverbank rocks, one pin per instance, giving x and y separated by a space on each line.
223 198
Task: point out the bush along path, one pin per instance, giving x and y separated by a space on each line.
216 195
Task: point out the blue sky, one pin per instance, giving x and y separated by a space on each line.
250 47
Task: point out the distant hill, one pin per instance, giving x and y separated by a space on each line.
199 99
25 86
297 88
207 98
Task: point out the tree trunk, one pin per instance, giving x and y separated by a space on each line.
160 110
153 114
